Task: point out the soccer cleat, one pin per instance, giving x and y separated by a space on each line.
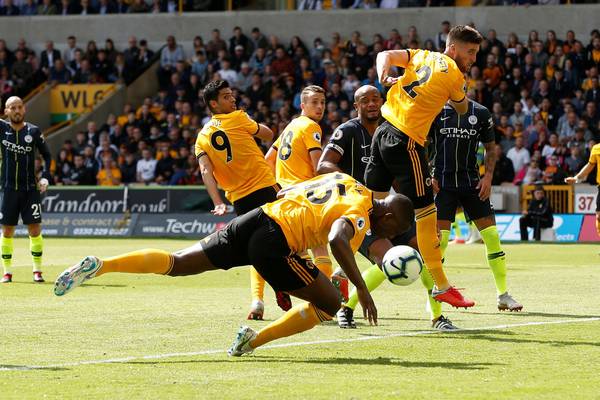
340 281
345 318
506 302
451 296
71 278
37 277
443 324
241 345
458 241
284 301
257 310
7 278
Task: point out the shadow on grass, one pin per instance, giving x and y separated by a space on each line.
29 368
534 314
504 337
335 361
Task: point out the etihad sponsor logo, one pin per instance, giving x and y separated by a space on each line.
16 148
458 132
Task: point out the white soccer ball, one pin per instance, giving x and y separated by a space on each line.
402 265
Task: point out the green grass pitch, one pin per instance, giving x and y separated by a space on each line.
166 337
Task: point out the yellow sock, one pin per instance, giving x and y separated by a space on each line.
299 319
257 285
324 265
147 261
429 245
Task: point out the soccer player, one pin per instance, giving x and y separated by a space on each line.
398 154
295 155
456 180
332 208
18 144
583 174
348 151
230 158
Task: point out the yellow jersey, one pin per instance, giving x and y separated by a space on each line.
595 159
239 166
299 138
430 79
308 209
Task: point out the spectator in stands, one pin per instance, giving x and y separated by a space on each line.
21 72
282 64
238 57
258 39
165 164
239 39
146 167
109 174
131 53
169 56
575 161
129 169
63 167
80 174
106 7
83 74
553 174
529 174
29 8
567 129
46 8
519 155
49 56
85 8
9 8
550 147
215 44
58 73
538 215
504 171
137 7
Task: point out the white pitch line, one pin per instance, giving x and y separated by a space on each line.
293 344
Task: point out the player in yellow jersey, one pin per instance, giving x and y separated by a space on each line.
398 155
332 208
230 158
295 155
592 163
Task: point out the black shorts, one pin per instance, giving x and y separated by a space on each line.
26 204
256 199
399 160
447 201
402 239
255 239
598 200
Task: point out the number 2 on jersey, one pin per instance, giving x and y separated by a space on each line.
223 144
426 74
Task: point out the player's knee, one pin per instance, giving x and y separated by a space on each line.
182 266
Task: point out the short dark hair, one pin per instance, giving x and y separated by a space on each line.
465 34
211 91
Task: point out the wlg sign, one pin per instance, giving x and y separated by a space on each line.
67 101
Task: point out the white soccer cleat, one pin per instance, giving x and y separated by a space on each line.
76 275
241 345
506 302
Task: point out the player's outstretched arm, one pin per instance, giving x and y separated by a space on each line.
581 175
264 133
271 158
206 169
329 162
461 107
388 59
339 239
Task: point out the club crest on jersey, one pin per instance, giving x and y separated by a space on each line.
317 136
472 119
360 223
428 181
337 135
28 138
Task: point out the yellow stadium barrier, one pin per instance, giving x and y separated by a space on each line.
559 196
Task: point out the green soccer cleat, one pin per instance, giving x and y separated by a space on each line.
76 275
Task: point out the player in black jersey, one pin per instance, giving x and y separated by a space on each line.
348 151
19 141
454 142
